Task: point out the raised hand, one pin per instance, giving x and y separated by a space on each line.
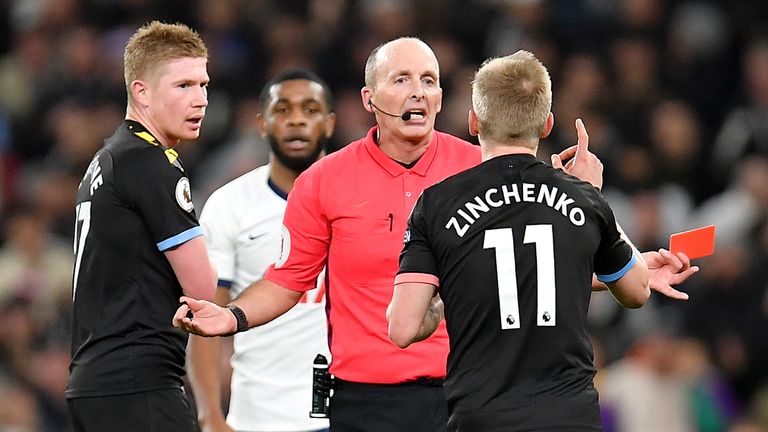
580 162
208 319
668 269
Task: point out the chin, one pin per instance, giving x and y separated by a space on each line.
190 136
422 131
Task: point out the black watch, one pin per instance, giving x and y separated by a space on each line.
242 321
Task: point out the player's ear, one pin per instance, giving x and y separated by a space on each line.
472 121
261 122
140 92
548 125
330 124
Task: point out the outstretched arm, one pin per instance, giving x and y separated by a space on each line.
666 269
261 302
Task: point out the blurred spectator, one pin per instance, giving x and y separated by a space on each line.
22 414
675 135
745 130
728 314
34 266
741 208
663 384
635 64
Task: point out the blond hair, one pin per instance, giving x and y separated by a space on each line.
154 44
512 97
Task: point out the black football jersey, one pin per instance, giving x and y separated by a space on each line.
133 204
514 244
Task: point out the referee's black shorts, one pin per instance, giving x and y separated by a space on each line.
412 406
165 410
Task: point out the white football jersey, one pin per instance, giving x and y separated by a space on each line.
272 364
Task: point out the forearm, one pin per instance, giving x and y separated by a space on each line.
264 301
431 320
433 316
414 313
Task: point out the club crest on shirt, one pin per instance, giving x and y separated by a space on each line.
184 195
285 246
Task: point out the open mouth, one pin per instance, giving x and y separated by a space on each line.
195 121
296 142
416 114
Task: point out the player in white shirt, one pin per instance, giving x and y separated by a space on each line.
272 364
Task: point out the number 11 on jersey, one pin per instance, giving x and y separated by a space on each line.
502 241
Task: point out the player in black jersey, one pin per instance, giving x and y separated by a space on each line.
511 246
139 247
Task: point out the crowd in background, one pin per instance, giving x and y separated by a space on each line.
674 95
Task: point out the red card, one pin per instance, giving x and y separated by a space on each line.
696 243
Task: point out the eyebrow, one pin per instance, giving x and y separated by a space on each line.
406 72
302 102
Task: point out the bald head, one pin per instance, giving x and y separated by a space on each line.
382 53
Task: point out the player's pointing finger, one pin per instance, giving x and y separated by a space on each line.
583 142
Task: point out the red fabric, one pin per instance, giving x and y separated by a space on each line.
351 209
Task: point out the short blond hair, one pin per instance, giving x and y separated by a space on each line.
512 97
154 44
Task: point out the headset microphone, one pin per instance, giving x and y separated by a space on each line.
405 116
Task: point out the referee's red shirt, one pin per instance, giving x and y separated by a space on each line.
351 209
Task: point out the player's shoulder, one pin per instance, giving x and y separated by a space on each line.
131 150
251 180
241 189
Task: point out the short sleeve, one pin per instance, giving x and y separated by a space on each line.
417 259
219 224
614 256
161 194
306 235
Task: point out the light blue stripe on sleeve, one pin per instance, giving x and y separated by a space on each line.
615 276
180 238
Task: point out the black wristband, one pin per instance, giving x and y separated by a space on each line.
242 321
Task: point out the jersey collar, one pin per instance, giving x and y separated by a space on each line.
395 169
140 131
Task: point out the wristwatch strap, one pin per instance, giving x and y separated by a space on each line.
242 321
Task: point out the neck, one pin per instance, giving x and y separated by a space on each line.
282 176
141 116
491 149
402 149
